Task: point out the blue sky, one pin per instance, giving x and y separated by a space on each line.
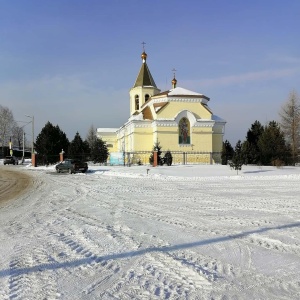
73 62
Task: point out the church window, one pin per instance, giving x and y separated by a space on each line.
184 131
137 102
146 97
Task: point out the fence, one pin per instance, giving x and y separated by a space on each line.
5 151
142 158
179 157
53 159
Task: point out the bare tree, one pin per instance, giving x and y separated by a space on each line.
91 136
290 123
7 123
18 135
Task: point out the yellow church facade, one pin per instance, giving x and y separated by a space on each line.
179 120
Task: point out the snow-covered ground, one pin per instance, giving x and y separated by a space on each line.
179 232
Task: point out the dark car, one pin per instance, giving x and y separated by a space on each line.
71 166
10 160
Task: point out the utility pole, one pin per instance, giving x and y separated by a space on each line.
23 157
32 122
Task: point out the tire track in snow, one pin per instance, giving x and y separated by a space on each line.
75 241
110 268
275 245
28 279
160 276
225 269
111 283
78 244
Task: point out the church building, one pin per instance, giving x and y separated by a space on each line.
179 120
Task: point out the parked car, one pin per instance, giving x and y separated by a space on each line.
71 166
11 160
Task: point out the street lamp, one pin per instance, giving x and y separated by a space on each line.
23 156
32 122
26 123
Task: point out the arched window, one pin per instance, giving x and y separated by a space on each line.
146 97
184 131
137 102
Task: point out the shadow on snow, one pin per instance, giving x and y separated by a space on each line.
97 259
257 171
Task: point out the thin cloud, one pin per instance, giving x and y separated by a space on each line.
252 76
285 59
57 82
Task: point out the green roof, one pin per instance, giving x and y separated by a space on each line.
144 78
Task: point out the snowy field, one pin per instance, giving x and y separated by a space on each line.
179 232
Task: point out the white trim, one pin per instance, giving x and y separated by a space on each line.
173 99
204 123
186 114
179 99
164 123
107 130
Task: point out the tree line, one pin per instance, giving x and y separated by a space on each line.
272 144
276 143
52 141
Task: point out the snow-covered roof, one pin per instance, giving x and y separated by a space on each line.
178 91
216 118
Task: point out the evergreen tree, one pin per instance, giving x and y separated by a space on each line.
250 149
237 159
99 151
272 145
168 158
227 152
157 148
50 142
290 123
78 148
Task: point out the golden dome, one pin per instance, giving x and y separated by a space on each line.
144 56
174 82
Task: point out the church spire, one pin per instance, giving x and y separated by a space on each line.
144 54
144 77
144 87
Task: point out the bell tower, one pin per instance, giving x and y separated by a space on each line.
143 88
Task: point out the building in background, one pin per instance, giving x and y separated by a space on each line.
178 119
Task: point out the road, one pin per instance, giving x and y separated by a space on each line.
13 182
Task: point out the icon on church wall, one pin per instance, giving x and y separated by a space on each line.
184 131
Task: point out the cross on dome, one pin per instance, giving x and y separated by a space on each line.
174 81
144 54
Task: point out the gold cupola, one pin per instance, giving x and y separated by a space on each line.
144 56
174 82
